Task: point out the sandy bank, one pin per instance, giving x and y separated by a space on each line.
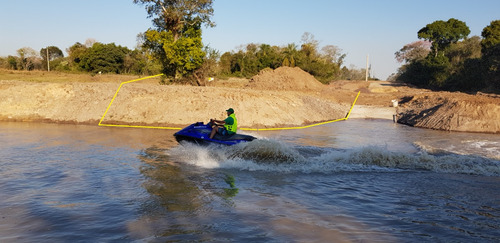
151 104
274 98
451 112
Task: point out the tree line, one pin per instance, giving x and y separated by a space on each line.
93 57
447 59
325 63
174 47
444 58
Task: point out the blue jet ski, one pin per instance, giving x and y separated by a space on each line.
199 133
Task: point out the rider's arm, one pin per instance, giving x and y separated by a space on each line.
218 122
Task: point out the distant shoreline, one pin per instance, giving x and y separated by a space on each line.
151 104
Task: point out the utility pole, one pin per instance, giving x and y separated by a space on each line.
48 61
366 71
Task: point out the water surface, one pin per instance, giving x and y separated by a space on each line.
356 180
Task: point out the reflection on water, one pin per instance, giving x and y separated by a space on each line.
179 200
360 180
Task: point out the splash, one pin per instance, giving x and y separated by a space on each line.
484 148
275 156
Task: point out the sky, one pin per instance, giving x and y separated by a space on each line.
376 29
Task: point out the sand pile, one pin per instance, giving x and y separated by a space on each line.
285 78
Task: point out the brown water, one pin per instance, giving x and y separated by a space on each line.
358 180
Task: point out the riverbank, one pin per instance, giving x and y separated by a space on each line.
159 105
283 97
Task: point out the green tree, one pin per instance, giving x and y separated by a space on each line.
290 52
106 58
447 56
252 58
54 53
461 51
308 53
176 41
491 54
325 65
225 64
438 69
442 33
75 55
208 69
178 57
285 63
237 63
12 62
268 57
491 35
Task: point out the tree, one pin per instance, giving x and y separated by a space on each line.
208 69
491 35
268 57
414 51
438 69
252 58
468 65
27 58
175 15
491 53
106 58
12 62
333 54
178 57
176 41
225 64
54 53
290 52
442 33
458 53
325 65
75 54
285 63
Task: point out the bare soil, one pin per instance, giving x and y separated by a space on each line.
273 98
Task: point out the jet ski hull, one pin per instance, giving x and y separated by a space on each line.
199 133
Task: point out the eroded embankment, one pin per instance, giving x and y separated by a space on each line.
152 104
452 112
256 107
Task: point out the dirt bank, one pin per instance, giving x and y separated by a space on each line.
152 104
451 112
283 97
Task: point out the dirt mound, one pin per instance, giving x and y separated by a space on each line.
452 112
285 78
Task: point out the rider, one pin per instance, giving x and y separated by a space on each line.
229 125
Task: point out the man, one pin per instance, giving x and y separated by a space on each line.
226 127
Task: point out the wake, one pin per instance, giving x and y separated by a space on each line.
276 156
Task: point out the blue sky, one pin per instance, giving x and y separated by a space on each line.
359 28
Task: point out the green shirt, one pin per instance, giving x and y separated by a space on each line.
231 124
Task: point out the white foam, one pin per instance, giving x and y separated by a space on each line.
488 149
276 156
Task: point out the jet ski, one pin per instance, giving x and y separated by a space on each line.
199 133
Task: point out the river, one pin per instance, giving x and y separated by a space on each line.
350 181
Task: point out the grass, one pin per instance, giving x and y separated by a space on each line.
38 76
55 76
